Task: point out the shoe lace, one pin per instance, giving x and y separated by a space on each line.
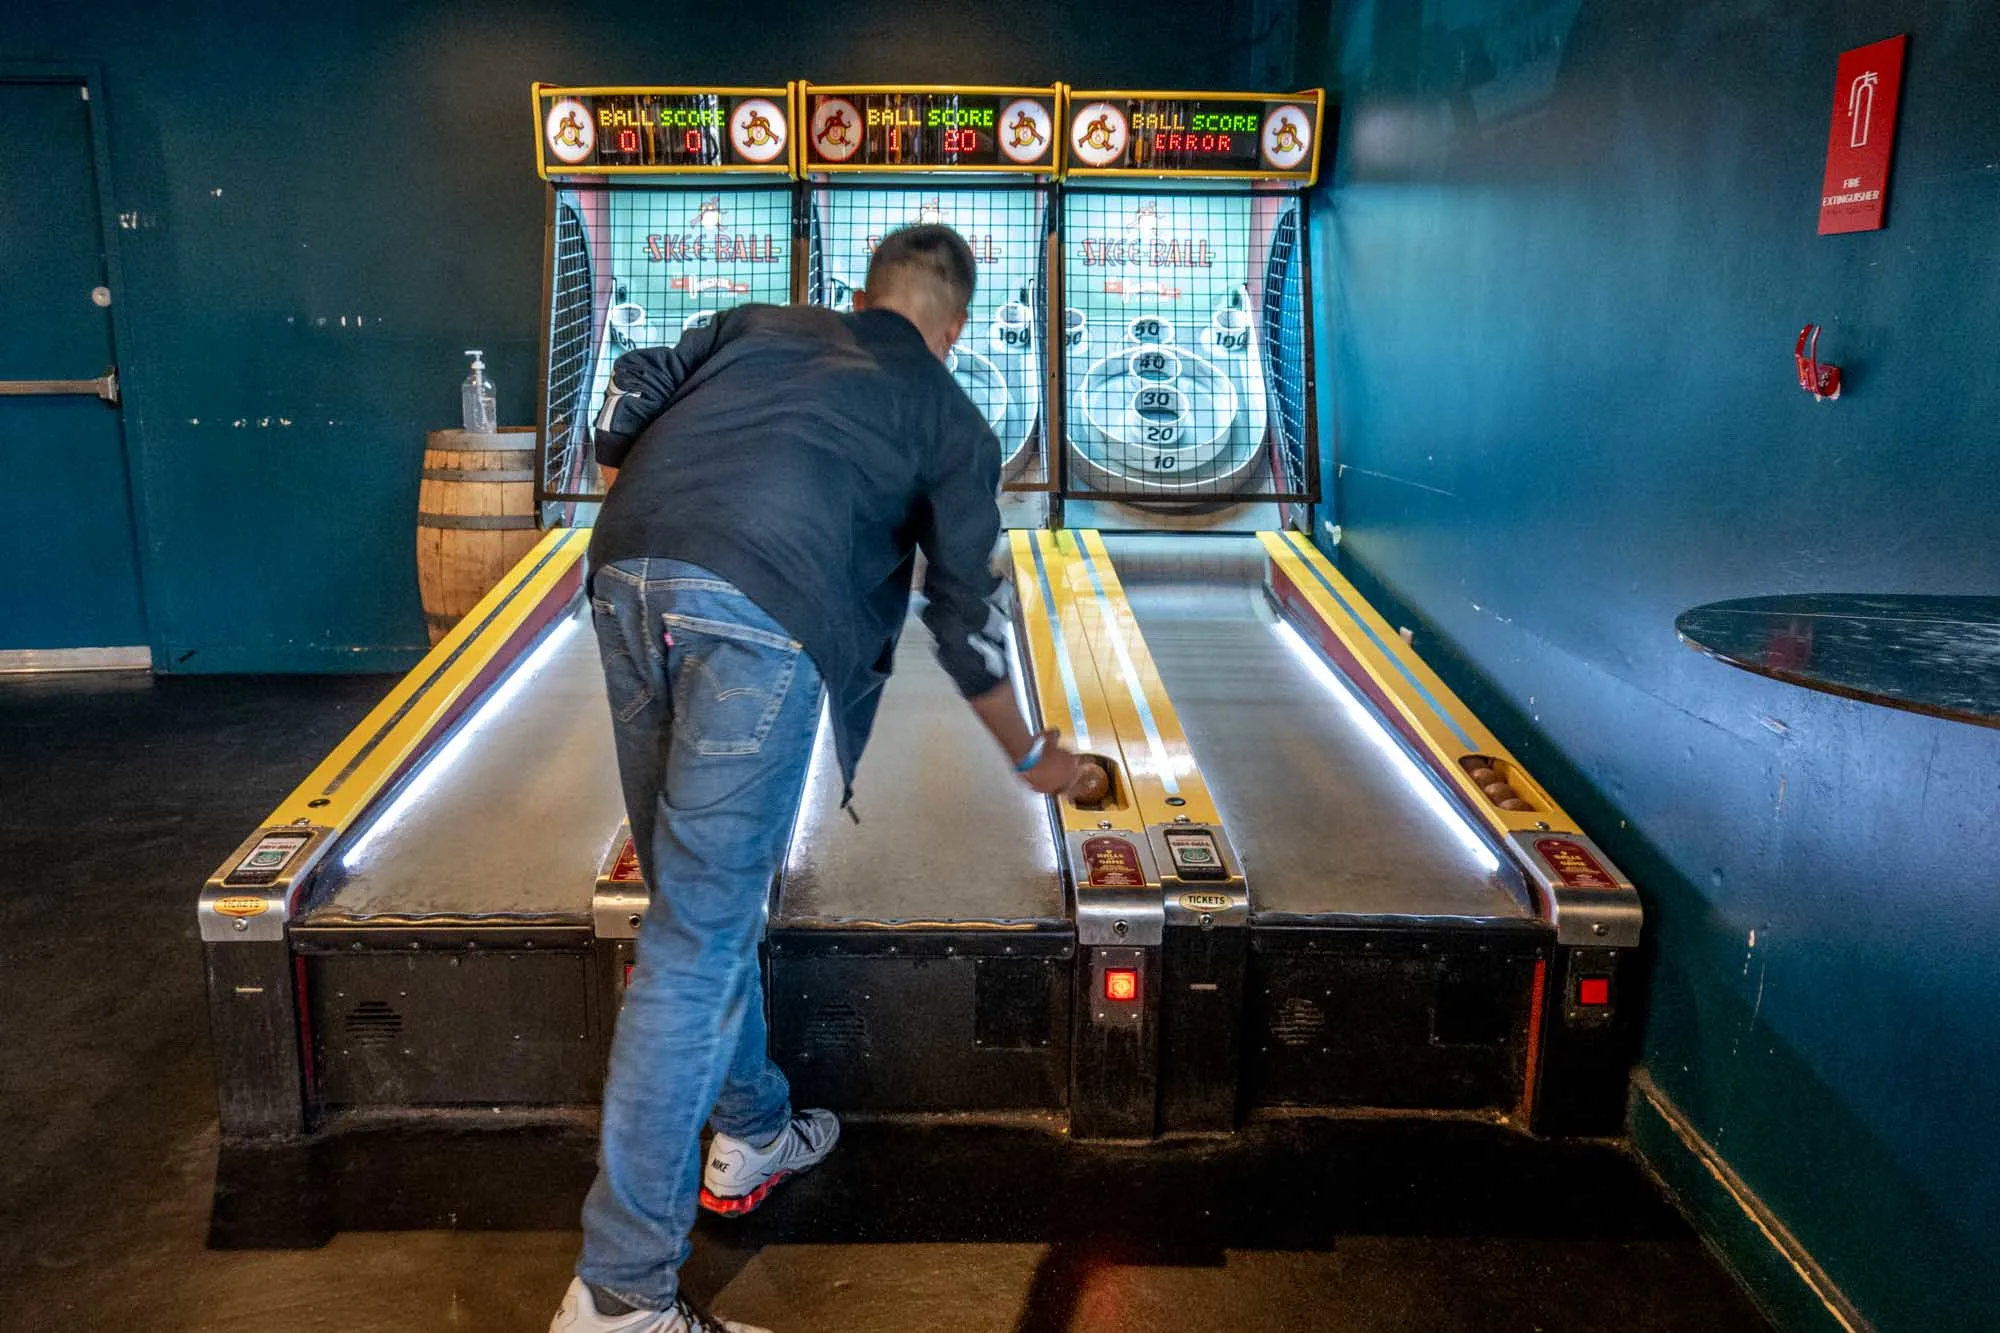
696 1316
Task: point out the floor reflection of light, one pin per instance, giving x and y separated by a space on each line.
427 778
1392 753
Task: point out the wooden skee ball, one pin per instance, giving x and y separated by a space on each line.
1092 783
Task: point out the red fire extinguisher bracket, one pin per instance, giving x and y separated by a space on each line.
1817 378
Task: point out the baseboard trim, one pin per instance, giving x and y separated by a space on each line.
288 660
24 661
1793 1256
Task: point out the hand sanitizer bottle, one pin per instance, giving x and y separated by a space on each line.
475 398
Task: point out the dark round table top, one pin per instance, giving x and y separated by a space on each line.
1936 655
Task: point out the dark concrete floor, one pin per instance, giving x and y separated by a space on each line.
119 795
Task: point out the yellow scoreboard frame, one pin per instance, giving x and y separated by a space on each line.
785 95
802 120
1307 176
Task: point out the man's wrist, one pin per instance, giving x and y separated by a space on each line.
1027 762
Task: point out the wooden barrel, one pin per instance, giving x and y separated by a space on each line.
475 517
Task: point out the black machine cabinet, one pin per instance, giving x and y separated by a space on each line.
945 1022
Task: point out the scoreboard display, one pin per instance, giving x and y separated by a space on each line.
608 131
1208 134
880 129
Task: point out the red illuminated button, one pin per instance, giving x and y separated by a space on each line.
1121 984
1593 991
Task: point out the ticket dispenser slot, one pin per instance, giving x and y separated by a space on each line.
245 910
1114 1068
1204 958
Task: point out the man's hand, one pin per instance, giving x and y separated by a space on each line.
1057 772
609 474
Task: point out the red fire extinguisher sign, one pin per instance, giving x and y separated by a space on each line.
1858 147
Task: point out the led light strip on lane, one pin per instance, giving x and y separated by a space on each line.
1394 660
1065 669
1385 743
431 774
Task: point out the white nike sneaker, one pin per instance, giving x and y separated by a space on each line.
579 1315
738 1177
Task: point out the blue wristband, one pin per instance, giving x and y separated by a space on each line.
1034 754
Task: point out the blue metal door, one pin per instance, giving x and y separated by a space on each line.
69 568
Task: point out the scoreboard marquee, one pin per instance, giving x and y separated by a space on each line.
929 129
598 132
607 131
1207 134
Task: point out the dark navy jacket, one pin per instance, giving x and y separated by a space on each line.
805 456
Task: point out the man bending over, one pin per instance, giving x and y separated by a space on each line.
772 478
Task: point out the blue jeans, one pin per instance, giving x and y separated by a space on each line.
714 707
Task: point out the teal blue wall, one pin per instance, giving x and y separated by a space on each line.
1566 251
326 203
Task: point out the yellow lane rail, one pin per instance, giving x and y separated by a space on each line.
1069 691
251 893
1154 854
1421 705
1165 777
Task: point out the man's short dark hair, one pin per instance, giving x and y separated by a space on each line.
928 261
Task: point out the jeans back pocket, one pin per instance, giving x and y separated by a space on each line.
729 683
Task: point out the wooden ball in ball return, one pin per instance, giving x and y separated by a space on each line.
1092 783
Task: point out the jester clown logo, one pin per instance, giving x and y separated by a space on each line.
836 130
1287 137
570 131
757 130
1025 128
1098 134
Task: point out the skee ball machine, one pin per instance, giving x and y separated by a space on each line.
1426 928
412 930
919 960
